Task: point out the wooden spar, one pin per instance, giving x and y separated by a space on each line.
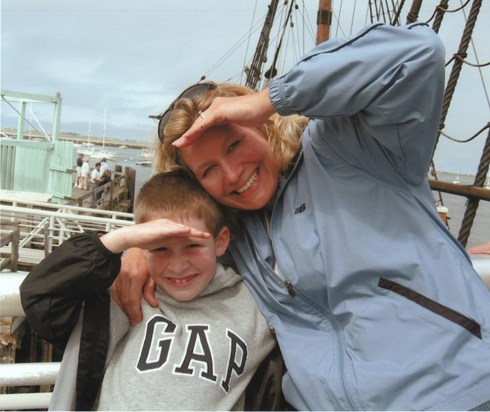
468 191
323 21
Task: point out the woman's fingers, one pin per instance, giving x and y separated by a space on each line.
149 292
249 110
205 121
128 286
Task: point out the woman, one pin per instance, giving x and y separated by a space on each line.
374 304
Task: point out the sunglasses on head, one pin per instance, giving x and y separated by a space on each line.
191 92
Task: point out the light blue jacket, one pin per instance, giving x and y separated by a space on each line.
382 309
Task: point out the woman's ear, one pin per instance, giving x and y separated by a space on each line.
222 241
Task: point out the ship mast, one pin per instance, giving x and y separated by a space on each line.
323 21
254 71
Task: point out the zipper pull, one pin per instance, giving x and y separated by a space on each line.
290 288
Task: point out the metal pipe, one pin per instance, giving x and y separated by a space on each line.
10 304
29 401
25 374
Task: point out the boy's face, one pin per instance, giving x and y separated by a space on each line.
181 267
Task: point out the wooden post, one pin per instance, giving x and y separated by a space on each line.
10 234
131 184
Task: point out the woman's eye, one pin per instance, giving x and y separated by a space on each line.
233 146
208 170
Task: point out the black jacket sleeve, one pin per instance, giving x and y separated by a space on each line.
53 293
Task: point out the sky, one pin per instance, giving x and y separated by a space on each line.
131 58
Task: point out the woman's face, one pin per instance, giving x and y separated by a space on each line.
235 165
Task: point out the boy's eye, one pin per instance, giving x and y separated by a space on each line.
160 250
192 246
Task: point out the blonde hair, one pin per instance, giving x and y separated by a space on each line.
177 194
283 133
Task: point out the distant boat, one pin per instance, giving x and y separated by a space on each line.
86 151
148 163
87 148
101 153
147 154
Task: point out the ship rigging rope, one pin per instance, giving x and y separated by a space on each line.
479 132
461 58
458 60
472 205
456 69
441 9
231 50
248 40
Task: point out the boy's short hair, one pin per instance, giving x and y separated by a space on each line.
177 193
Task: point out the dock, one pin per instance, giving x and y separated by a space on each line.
117 195
29 231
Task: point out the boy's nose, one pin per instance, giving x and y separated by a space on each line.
177 265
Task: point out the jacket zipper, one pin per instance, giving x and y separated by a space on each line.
329 316
290 288
293 293
275 266
278 273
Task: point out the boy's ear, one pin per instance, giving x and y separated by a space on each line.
222 240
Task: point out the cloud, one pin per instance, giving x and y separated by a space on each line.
135 57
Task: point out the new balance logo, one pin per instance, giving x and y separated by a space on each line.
300 209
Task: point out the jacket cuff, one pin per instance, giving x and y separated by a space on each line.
278 98
96 239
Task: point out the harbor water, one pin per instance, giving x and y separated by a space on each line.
480 232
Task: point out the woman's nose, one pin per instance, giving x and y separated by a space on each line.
231 171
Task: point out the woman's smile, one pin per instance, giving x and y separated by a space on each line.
249 182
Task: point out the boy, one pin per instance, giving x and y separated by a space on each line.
198 349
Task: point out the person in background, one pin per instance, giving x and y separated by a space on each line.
375 305
480 249
96 175
85 174
103 165
198 349
79 179
106 177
